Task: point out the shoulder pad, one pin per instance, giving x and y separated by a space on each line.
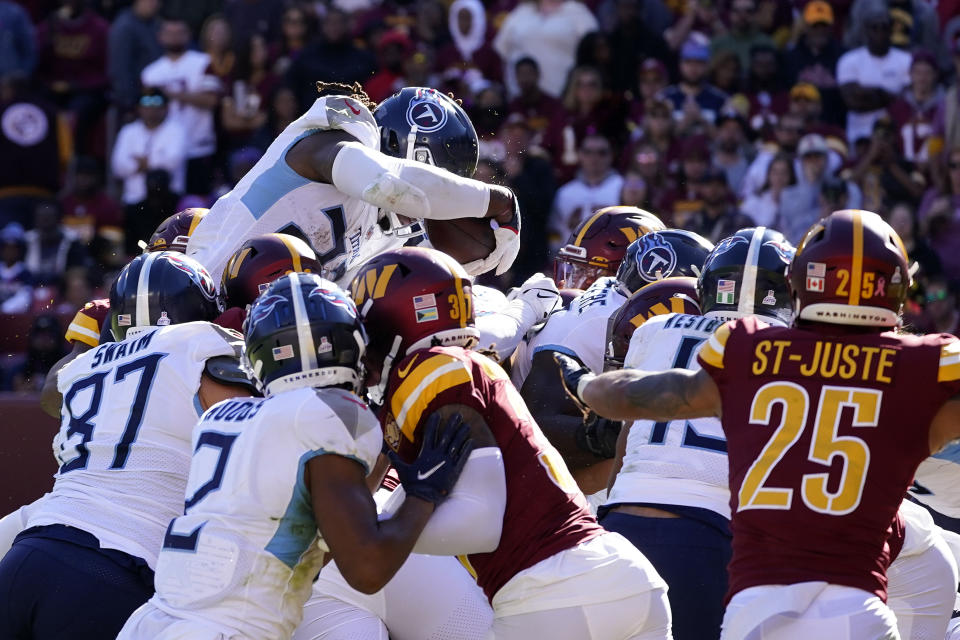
227 370
418 380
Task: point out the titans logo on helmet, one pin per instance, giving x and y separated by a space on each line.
656 258
728 243
200 276
263 307
785 251
335 298
425 111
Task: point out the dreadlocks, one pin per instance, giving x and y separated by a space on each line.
354 91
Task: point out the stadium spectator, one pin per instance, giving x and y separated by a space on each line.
193 92
915 110
634 192
732 152
939 216
632 41
392 51
282 110
883 173
651 79
813 59
947 120
133 45
765 89
17 46
296 28
596 185
144 216
45 347
330 56
717 217
763 206
247 17
806 101
72 64
871 76
16 282
30 142
902 218
153 141
743 35
539 108
469 53
914 25
685 197
787 134
940 312
696 16
726 73
244 110
87 208
696 103
51 247
547 31
218 42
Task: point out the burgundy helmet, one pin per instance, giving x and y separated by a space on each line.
261 260
412 298
596 248
850 268
174 232
670 295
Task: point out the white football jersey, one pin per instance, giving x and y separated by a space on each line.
128 411
342 230
247 551
937 480
580 330
683 462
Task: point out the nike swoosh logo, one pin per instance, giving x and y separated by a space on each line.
403 372
423 476
549 295
356 112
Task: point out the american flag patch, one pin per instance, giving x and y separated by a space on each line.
726 290
283 353
816 270
424 301
124 320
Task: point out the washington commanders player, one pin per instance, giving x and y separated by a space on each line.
86 558
268 473
516 518
826 423
339 176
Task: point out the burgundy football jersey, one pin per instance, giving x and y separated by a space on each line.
824 432
546 513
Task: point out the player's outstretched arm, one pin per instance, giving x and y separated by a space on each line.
368 553
50 397
946 425
632 394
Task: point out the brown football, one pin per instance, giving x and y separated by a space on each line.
464 239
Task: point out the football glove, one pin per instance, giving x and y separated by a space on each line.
598 435
434 472
539 293
507 236
575 377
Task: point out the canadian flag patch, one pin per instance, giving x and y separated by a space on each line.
815 284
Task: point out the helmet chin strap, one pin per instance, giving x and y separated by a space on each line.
377 392
397 228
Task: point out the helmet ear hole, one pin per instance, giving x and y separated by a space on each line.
393 144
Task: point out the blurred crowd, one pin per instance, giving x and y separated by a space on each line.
712 114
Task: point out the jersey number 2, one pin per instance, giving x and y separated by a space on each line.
825 444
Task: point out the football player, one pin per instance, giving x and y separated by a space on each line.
580 332
86 558
340 176
824 431
268 473
596 247
516 518
670 497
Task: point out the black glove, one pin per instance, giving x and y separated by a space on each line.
598 435
574 376
444 452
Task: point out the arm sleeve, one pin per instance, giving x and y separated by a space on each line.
471 519
505 328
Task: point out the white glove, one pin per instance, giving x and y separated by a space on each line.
505 251
539 293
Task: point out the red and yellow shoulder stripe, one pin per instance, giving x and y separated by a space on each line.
83 329
423 377
712 351
949 369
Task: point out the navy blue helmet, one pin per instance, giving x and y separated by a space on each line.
304 331
438 128
159 289
662 254
745 275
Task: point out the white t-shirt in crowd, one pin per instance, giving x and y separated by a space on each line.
189 72
890 72
576 200
164 148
